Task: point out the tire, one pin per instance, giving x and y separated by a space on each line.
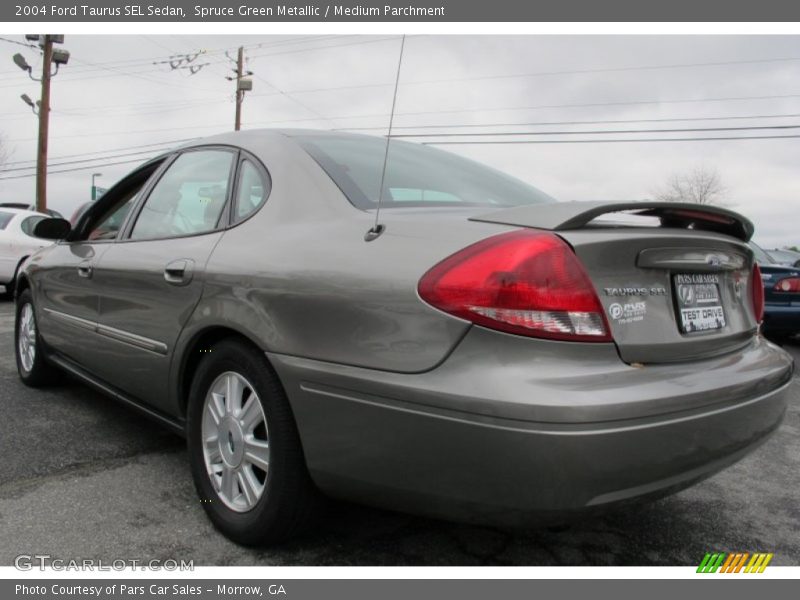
32 365
250 502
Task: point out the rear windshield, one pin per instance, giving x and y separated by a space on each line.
416 175
5 219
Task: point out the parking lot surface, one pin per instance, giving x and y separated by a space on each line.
82 477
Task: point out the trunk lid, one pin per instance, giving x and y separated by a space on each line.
679 290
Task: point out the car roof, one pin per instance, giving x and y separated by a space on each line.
254 136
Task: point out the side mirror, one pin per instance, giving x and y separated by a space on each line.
52 228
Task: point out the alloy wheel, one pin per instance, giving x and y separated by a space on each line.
26 337
235 441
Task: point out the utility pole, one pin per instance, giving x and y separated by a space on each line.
44 124
41 107
243 84
239 92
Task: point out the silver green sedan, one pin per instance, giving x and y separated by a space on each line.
475 351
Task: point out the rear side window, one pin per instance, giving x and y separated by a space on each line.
28 224
5 219
189 197
252 191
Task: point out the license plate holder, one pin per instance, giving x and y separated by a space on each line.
699 304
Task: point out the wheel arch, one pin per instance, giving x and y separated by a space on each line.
192 352
20 283
13 285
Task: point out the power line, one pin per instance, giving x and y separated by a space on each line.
143 74
3 39
109 150
548 123
475 142
587 132
527 108
610 70
596 104
315 48
290 97
71 170
542 74
82 161
148 61
609 141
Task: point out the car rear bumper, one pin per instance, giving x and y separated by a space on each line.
514 431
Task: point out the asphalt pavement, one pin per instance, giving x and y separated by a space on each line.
82 477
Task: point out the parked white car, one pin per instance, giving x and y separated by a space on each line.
17 241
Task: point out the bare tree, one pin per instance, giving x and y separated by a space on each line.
701 185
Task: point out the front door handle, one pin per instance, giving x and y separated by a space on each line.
85 269
179 272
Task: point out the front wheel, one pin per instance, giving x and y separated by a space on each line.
244 449
32 366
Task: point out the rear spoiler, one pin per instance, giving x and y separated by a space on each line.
562 216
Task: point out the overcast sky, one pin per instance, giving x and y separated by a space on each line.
111 100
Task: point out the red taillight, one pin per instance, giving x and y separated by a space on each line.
524 282
757 292
788 284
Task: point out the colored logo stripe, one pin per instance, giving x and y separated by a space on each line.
758 563
711 562
734 562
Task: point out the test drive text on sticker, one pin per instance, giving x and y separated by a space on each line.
702 319
699 302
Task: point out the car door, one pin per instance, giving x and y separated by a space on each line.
150 280
7 262
64 288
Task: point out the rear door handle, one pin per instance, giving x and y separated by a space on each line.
85 269
179 272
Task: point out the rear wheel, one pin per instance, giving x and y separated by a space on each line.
244 449
32 366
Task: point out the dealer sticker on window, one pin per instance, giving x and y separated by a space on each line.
699 303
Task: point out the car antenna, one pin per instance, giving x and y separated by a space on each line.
377 229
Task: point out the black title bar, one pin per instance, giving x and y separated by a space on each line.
400 11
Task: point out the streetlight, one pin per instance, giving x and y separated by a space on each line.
20 61
50 56
27 100
94 187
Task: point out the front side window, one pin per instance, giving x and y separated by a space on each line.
416 175
189 197
103 219
109 224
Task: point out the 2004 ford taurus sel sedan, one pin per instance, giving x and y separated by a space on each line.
483 353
